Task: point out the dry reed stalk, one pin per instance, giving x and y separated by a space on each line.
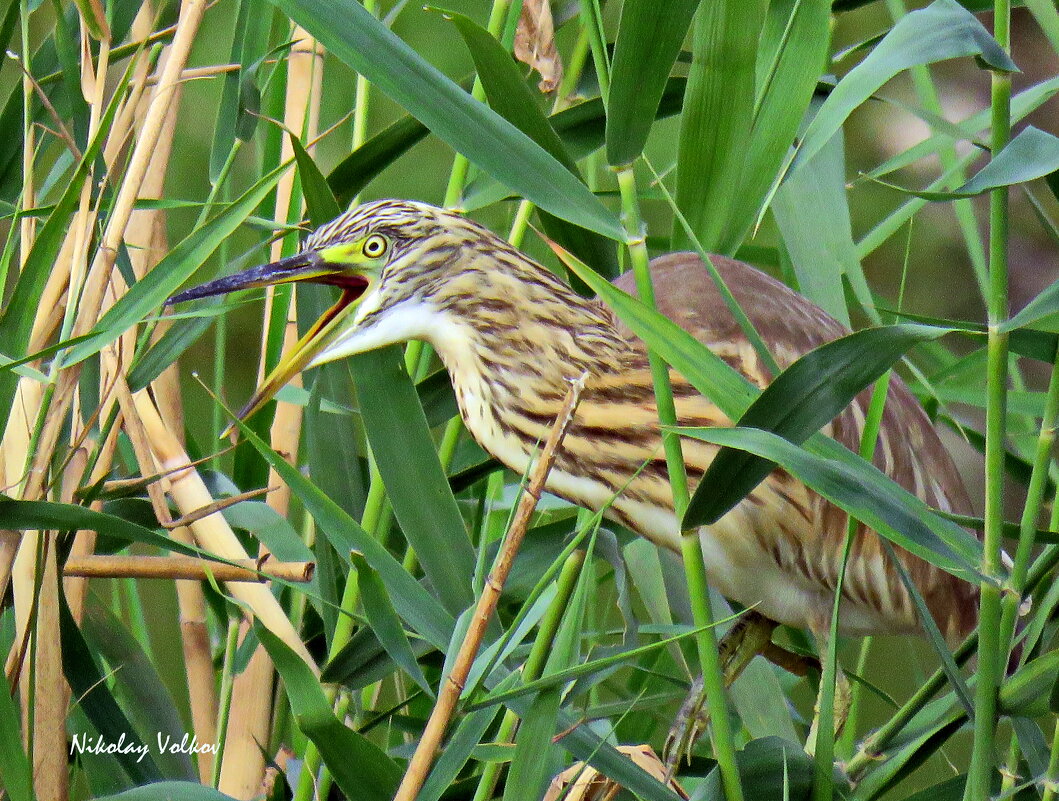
166 388
186 567
148 242
28 403
301 116
198 73
243 764
85 541
44 660
198 662
42 683
22 571
93 87
27 225
212 533
191 12
452 686
243 768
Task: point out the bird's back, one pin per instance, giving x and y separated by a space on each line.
797 530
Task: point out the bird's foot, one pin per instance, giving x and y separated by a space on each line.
751 635
842 702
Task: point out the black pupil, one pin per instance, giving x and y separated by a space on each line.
374 246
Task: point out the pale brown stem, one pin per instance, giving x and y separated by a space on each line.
85 540
198 662
452 686
244 766
45 671
187 567
213 533
191 12
196 73
250 720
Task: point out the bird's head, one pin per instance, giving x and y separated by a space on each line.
392 259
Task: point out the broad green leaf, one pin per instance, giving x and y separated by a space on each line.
469 734
1027 692
352 34
582 127
31 515
415 605
359 767
898 762
534 759
249 41
559 677
16 774
16 325
717 119
1022 104
357 169
952 789
812 213
169 791
319 200
176 267
800 401
792 56
169 347
944 30
363 660
1032 154
770 768
384 621
861 490
511 97
89 685
415 483
649 38
44 60
140 690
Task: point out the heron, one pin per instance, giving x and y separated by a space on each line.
512 335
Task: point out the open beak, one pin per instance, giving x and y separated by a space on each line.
308 267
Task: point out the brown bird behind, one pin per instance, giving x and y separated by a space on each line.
790 528
512 335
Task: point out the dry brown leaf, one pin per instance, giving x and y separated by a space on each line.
581 782
535 43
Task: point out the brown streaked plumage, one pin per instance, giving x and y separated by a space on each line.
511 335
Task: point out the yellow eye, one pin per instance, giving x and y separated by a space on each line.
374 246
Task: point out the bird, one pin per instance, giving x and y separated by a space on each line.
512 335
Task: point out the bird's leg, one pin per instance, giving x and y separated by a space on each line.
843 697
751 635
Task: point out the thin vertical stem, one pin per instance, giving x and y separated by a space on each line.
460 165
231 641
27 224
691 544
592 22
456 680
991 650
534 664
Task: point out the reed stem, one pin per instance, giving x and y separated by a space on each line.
691 544
991 649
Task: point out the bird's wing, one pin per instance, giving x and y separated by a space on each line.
909 449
